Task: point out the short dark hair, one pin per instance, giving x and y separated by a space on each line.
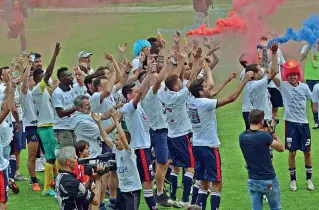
101 68
80 146
152 40
256 116
252 67
170 81
127 89
196 86
96 83
88 80
60 71
36 74
36 55
3 68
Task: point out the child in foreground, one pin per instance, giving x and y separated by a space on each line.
82 149
128 196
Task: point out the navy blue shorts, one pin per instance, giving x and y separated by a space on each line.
144 164
31 133
208 165
181 151
275 97
3 187
298 136
19 139
159 143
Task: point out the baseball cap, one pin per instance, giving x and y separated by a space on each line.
84 54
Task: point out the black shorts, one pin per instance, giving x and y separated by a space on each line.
128 200
16 29
298 136
275 97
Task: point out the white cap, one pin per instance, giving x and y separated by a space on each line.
84 54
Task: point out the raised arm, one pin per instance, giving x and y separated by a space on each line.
124 78
211 52
274 62
120 130
50 68
215 91
25 81
116 67
104 135
107 86
144 87
305 53
223 101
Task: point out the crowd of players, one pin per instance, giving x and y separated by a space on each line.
157 116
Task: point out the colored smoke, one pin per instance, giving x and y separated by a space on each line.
309 32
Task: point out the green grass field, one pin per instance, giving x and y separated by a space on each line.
100 32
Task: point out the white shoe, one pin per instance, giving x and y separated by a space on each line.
39 167
174 203
310 185
293 185
184 204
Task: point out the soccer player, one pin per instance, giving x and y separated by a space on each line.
158 130
30 121
201 110
16 14
295 95
138 126
174 97
254 144
45 114
62 100
257 87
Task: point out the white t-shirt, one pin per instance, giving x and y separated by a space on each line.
137 124
135 65
85 128
203 118
246 103
154 110
281 60
62 99
29 112
295 101
79 90
259 96
17 102
176 111
4 163
104 107
43 105
6 129
127 172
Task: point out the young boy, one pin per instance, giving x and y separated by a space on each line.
128 196
82 149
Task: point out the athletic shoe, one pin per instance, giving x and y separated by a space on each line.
108 206
165 193
293 185
162 200
316 126
49 192
39 167
185 204
20 177
38 181
310 185
14 187
174 203
36 187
